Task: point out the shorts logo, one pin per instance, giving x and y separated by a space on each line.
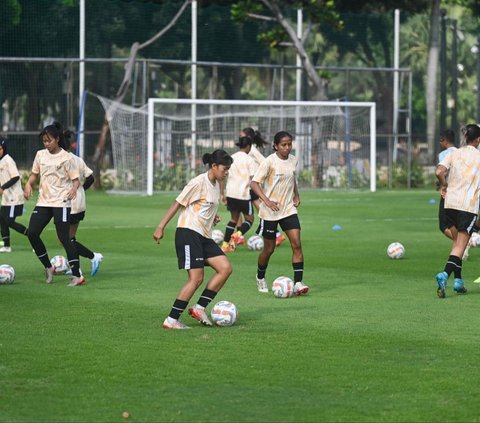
199 259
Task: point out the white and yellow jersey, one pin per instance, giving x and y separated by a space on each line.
277 179
463 179
79 203
239 176
12 196
256 155
200 199
56 171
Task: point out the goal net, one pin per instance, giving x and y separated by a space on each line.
159 147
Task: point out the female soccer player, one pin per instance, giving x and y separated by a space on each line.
274 182
461 195
12 197
237 192
258 145
58 186
198 205
77 213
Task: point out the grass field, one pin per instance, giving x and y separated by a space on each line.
370 343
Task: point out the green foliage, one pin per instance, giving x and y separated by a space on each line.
173 178
399 176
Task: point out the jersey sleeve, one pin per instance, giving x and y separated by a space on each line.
262 172
12 169
190 193
36 164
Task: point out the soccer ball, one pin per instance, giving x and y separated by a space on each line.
217 236
475 240
60 263
7 274
282 287
396 250
224 313
255 243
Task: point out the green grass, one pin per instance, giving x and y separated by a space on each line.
370 343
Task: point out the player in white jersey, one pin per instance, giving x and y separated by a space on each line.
12 197
258 145
237 194
58 185
77 214
461 192
275 183
447 142
198 204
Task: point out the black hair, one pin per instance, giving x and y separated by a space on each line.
3 144
56 130
218 157
255 136
448 135
244 142
278 137
471 132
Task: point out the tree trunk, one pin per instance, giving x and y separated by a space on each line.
431 89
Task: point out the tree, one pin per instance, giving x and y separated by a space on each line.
431 88
284 33
125 85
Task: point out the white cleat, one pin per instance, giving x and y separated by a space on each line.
261 285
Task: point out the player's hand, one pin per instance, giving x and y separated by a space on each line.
444 191
216 219
158 235
27 191
296 201
273 205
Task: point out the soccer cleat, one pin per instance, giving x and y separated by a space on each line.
458 286
228 247
77 281
261 285
6 250
49 272
199 314
241 240
300 289
279 239
170 323
97 259
234 239
442 283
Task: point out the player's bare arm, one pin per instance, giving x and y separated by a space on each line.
27 190
172 211
258 190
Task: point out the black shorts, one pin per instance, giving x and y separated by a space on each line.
442 216
12 211
77 218
194 249
242 206
268 228
462 220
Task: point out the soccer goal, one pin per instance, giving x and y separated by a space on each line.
160 147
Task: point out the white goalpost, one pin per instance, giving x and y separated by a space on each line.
159 147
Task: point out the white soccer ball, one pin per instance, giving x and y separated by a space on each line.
255 243
224 313
283 287
217 236
475 239
7 274
60 263
396 250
